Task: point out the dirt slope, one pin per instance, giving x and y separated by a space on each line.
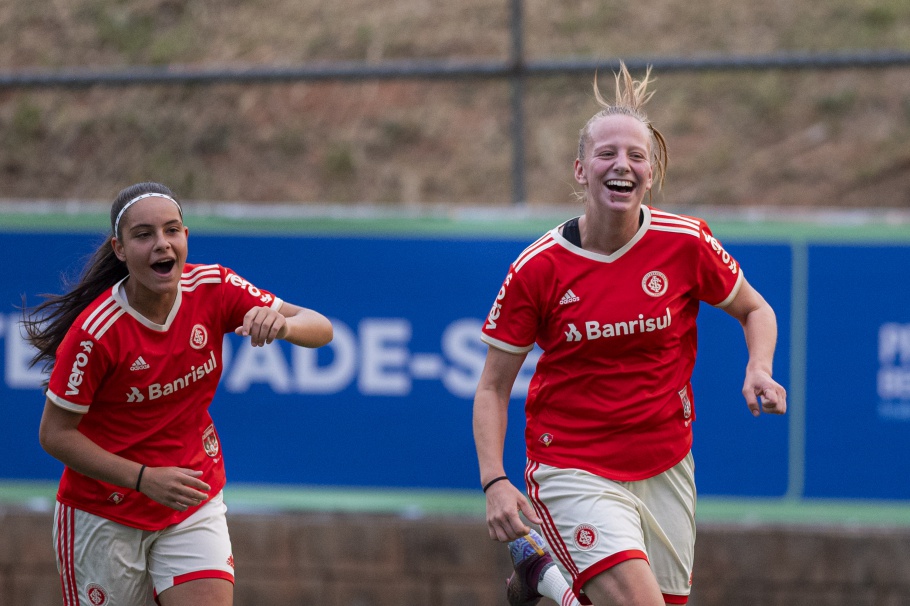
789 138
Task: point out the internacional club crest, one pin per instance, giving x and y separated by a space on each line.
585 536
654 283
210 441
199 337
96 594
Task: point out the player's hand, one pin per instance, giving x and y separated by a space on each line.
764 394
174 487
262 325
504 501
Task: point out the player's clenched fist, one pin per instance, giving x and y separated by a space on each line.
263 325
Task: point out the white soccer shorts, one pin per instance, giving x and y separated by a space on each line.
103 563
592 524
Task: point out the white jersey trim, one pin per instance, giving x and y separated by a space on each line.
192 286
645 225
739 282
513 349
204 274
119 295
542 244
530 248
658 216
94 315
664 221
109 323
65 404
103 317
202 268
676 230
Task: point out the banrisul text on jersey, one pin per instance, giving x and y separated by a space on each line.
596 330
156 390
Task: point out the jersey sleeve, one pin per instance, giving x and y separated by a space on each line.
79 368
719 275
514 318
240 296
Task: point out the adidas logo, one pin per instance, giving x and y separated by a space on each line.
569 297
139 364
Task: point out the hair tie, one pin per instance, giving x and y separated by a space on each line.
139 479
493 481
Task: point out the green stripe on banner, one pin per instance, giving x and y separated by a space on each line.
417 503
368 221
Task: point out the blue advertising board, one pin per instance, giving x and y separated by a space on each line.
729 441
388 403
858 372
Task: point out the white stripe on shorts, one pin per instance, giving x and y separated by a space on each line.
66 564
548 527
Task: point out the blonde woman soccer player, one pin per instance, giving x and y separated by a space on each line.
611 298
135 356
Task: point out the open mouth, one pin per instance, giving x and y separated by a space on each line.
163 267
620 186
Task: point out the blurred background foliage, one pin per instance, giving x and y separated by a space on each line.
816 138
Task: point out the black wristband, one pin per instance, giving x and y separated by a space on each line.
493 481
139 479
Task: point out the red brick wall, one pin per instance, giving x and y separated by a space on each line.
379 560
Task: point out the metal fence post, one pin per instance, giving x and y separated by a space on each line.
519 196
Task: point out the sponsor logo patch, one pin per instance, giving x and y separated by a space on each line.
244 285
569 297
640 325
724 255
140 364
75 379
497 304
157 390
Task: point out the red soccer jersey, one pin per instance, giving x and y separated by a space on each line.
611 392
145 388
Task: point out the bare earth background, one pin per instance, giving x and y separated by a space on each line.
833 138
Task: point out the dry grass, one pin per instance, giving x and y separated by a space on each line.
816 138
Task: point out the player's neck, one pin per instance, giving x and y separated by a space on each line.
605 232
151 305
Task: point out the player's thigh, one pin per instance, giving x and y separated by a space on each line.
629 583
197 549
100 561
590 523
201 592
668 523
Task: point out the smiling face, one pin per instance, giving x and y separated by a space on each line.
616 170
153 244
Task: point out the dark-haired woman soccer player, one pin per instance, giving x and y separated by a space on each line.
611 297
135 356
